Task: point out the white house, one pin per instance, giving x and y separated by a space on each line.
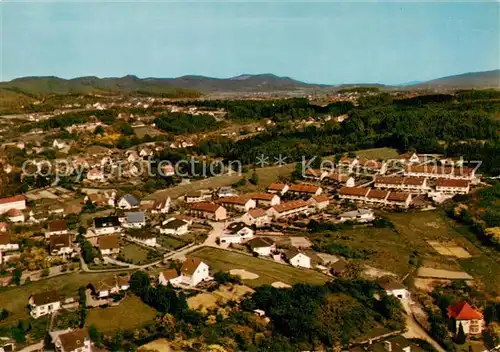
298 259
238 203
237 232
290 208
277 187
95 175
106 225
377 196
209 211
17 202
109 286
60 244
320 202
194 271
15 215
58 144
262 246
315 174
400 199
353 193
169 276
396 289
196 196
109 244
470 319
305 189
174 226
359 215
6 244
44 303
146 238
74 341
342 179
453 186
135 220
128 201
257 217
156 206
264 199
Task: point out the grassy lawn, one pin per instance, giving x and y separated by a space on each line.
377 153
15 299
170 242
268 271
129 314
134 252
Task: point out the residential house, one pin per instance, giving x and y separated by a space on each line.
44 303
377 196
156 206
277 187
56 227
15 215
106 225
100 200
225 192
60 244
132 156
169 276
236 232
6 244
339 268
59 144
128 201
135 220
262 246
359 215
237 203
315 174
290 208
470 319
354 193
17 202
396 289
435 171
109 286
415 184
95 175
264 199
305 189
411 158
390 344
209 211
400 199
196 196
340 179
320 202
347 163
257 217
452 186
145 237
174 226
74 341
298 259
372 165
109 244
194 271
167 170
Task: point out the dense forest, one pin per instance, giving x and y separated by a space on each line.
446 124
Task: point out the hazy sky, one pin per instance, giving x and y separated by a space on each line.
320 42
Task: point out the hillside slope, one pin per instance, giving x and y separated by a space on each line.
485 79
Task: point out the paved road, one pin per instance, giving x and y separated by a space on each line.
415 330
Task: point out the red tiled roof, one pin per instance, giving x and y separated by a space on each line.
442 182
415 181
286 206
303 188
234 200
314 172
205 206
276 186
354 191
377 194
260 196
109 242
398 196
321 198
190 266
337 177
256 213
57 225
170 274
390 180
17 198
463 311
14 212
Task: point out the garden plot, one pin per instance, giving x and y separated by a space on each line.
449 249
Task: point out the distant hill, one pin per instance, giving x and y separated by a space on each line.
485 79
166 86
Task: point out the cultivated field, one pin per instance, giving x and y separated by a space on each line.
134 252
132 312
268 271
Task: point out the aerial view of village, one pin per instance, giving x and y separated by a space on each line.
360 212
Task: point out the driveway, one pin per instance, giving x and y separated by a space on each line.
415 330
